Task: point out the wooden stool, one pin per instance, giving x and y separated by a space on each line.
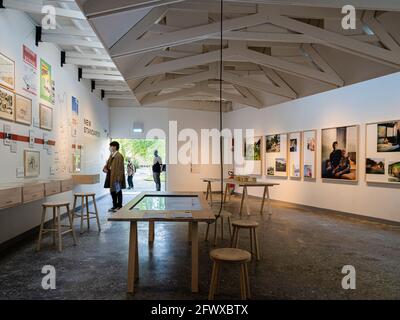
85 203
230 255
56 230
252 226
224 215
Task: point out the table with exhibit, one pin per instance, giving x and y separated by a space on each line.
150 207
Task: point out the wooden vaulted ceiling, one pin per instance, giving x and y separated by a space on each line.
168 51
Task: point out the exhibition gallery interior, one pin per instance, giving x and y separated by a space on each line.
199 150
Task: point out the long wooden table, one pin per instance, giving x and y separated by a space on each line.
244 185
130 214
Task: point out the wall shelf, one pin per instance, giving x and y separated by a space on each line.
86 178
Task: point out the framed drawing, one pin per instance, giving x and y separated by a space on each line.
31 163
7 72
309 154
276 155
294 141
7 104
23 110
340 153
46 117
382 152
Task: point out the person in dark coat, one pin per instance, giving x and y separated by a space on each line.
115 180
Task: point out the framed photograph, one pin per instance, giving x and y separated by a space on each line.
31 163
252 156
46 117
309 154
294 140
340 153
382 152
7 72
276 155
7 104
23 110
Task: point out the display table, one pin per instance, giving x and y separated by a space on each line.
244 185
166 207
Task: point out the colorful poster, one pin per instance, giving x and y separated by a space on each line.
30 70
75 114
46 82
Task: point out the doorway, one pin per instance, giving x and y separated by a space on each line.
141 153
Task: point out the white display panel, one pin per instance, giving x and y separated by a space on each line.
294 147
309 154
382 162
276 155
252 156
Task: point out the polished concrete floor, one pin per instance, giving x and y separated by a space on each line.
303 252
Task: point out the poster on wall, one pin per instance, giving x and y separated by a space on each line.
7 72
340 153
46 82
31 163
30 70
252 156
46 117
76 161
295 154
23 110
276 155
309 154
382 163
7 104
75 116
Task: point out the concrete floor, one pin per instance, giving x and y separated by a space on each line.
303 252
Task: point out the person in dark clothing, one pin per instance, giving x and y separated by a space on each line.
344 166
157 165
130 170
115 179
334 159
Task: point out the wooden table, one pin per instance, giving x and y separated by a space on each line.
133 215
244 185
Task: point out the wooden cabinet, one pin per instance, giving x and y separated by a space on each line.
32 192
10 197
66 185
52 187
86 178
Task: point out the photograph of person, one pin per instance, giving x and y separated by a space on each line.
339 153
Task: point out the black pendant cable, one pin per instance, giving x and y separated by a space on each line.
221 68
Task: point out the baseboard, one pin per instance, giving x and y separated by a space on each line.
31 234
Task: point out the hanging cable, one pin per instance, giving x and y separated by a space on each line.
221 68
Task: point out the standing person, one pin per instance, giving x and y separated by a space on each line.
157 164
130 170
115 179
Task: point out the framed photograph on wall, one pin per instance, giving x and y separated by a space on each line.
252 156
7 104
294 141
309 154
382 152
23 110
7 72
339 154
31 163
276 155
46 117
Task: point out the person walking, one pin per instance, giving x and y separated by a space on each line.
115 179
157 164
130 170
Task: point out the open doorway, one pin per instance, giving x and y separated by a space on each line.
141 153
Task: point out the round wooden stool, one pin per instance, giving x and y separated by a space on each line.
235 256
224 215
56 225
252 226
85 204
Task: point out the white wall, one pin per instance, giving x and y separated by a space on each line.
17 30
374 100
179 176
